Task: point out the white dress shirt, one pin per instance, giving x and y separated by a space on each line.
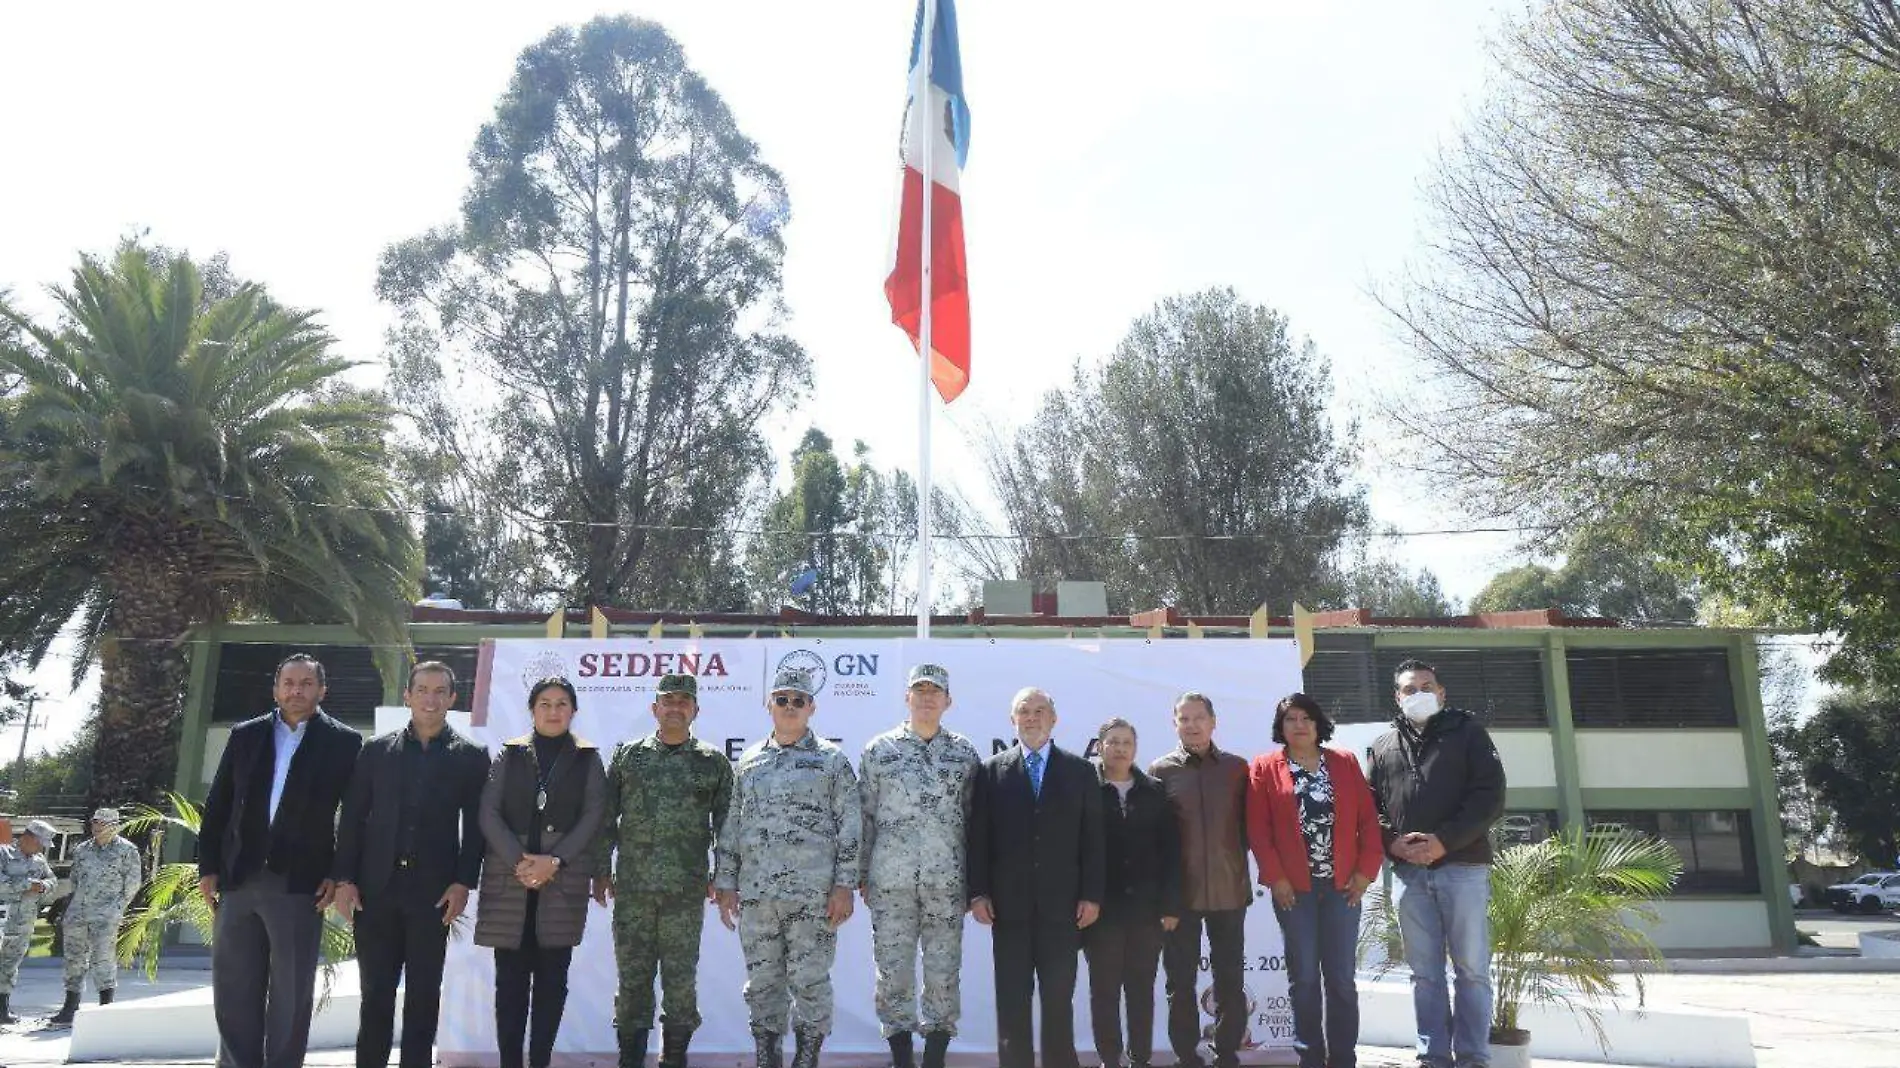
287 739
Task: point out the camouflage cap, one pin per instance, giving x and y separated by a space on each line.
935 674
43 831
105 815
686 684
795 679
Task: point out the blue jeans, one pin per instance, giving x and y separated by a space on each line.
1322 943
1443 912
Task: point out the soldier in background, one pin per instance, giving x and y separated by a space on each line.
24 877
915 783
667 795
106 877
787 863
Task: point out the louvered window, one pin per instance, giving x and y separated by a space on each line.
1338 678
1717 847
462 658
1651 688
247 675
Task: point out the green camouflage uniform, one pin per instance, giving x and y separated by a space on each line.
790 838
23 907
664 804
105 880
916 794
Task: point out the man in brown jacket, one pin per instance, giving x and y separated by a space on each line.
1208 789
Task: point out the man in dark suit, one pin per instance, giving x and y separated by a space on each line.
1036 858
408 850
265 846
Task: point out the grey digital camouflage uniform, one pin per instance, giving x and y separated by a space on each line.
105 880
916 794
790 838
17 870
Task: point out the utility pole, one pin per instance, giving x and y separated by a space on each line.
27 723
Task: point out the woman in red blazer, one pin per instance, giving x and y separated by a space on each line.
1315 837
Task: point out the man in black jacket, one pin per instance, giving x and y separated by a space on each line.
265 845
408 851
1440 786
1036 860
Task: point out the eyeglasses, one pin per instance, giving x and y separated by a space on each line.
796 700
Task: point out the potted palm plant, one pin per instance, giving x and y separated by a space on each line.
1565 912
170 898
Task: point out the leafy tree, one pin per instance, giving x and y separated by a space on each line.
1606 572
1388 588
1666 289
1197 466
55 781
601 331
173 460
1850 752
841 521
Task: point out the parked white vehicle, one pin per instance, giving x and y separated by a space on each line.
1876 891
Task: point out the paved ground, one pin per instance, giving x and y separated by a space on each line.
1835 931
1798 1020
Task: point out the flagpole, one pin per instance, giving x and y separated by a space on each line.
920 90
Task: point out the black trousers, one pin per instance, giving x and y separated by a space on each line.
1123 954
532 975
400 934
1035 958
1226 953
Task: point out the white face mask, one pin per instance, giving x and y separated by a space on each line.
1419 707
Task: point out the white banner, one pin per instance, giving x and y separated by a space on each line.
861 685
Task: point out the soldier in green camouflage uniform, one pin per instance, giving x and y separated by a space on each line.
915 782
666 798
106 877
24 877
787 863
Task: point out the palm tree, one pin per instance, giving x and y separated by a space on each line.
171 458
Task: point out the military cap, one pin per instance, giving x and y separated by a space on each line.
105 815
686 684
935 674
795 679
43 831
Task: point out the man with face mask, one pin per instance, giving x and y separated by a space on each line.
1440 786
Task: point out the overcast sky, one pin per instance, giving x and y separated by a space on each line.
1276 146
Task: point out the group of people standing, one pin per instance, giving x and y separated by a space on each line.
1064 858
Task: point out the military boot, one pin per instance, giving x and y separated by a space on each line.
902 1051
770 1048
64 1017
809 1042
633 1047
936 1046
6 1011
105 995
673 1043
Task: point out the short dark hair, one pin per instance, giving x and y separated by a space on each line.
323 678
1412 665
554 682
430 666
1101 732
1322 722
1195 695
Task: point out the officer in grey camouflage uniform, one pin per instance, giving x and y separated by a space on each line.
106 877
666 798
24 877
915 781
787 863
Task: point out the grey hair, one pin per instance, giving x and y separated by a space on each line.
1026 693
